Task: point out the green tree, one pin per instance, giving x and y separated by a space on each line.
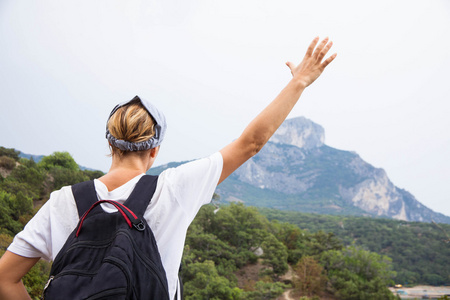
9 152
93 174
242 226
11 208
359 274
58 160
275 255
62 177
203 282
265 291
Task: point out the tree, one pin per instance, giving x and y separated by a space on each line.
203 282
7 162
9 152
58 160
275 255
11 208
265 291
358 274
309 279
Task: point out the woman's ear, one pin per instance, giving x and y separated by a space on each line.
154 152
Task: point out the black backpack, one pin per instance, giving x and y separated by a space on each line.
109 255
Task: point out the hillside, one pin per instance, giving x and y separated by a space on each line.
420 252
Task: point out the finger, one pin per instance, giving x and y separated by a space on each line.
320 47
311 47
291 66
328 61
324 51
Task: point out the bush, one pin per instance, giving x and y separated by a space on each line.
359 274
63 177
58 159
7 162
9 152
11 208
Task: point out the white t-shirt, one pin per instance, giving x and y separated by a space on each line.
180 192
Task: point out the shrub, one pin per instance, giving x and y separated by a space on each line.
7 162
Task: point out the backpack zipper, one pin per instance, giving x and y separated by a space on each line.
71 272
46 286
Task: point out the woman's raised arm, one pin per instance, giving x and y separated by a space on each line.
259 131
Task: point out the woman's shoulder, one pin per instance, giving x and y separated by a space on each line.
62 198
207 164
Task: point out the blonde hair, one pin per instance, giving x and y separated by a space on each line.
131 123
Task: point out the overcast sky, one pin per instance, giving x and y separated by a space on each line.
212 65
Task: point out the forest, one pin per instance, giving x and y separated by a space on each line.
419 251
237 252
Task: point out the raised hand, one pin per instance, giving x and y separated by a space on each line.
312 66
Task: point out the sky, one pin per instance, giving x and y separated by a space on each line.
213 65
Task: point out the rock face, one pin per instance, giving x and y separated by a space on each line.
297 171
300 132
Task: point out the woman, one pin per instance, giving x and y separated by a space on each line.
135 130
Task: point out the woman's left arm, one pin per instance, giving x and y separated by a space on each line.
12 268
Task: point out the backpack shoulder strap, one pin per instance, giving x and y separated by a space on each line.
142 194
85 196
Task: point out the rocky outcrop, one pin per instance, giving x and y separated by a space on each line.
300 132
297 171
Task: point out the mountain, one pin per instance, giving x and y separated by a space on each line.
296 171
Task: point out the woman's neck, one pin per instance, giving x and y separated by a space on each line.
125 168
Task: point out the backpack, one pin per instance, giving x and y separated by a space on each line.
109 255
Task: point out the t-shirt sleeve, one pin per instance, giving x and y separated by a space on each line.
195 182
46 232
34 239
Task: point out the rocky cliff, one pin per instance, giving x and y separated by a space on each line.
297 171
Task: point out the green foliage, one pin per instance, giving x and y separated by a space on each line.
91 175
7 163
5 241
62 177
220 242
242 226
204 282
418 250
59 160
265 291
358 274
26 178
12 153
11 208
275 255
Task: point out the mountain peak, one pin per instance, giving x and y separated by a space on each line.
300 132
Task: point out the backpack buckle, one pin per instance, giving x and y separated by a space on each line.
139 226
